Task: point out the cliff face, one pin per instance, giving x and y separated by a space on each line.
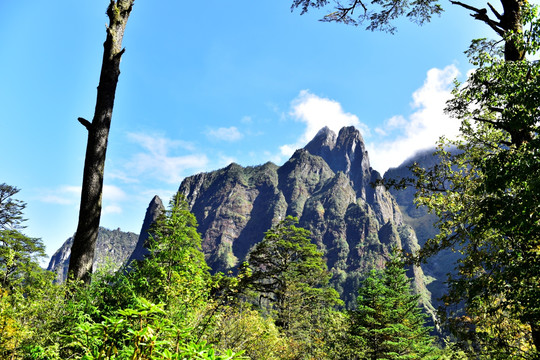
327 185
113 248
440 265
155 208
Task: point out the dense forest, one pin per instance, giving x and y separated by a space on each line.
484 191
278 306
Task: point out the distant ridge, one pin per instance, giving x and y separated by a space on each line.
113 247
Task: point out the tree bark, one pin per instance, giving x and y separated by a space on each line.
503 24
82 251
511 22
535 331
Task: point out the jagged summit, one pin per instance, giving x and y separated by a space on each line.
347 153
152 212
113 247
327 185
323 143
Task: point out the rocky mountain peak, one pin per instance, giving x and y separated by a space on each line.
345 153
152 212
113 247
323 143
327 185
350 151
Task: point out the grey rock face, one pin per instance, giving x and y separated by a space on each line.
327 185
443 263
155 208
113 247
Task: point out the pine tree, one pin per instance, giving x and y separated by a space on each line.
175 271
19 254
290 275
289 271
388 323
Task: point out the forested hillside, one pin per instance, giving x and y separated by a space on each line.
318 258
329 187
168 306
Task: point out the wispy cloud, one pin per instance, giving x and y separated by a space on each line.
112 209
113 193
401 137
224 160
70 196
159 161
225 134
317 112
63 195
246 120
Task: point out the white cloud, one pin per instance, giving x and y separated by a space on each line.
158 143
113 193
225 134
120 175
275 158
159 163
317 112
70 195
247 120
225 160
112 209
402 137
64 195
396 122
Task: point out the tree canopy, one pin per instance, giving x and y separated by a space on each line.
381 15
388 322
486 195
287 268
19 254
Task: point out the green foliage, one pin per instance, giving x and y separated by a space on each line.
10 208
116 316
175 272
379 14
487 195
28 299
19 254
169 307
142 332
290 276
388 322
289 271
26 320
239 327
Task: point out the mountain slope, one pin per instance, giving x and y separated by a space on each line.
327 185
113 247
440 265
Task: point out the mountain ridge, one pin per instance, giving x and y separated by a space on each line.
327 185
113 247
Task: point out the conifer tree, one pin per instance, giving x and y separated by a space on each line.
290 275
19 254
289 271
388 322
175 271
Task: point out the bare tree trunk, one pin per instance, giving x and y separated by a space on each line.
82 251
511 21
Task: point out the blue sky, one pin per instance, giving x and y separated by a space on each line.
204 84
